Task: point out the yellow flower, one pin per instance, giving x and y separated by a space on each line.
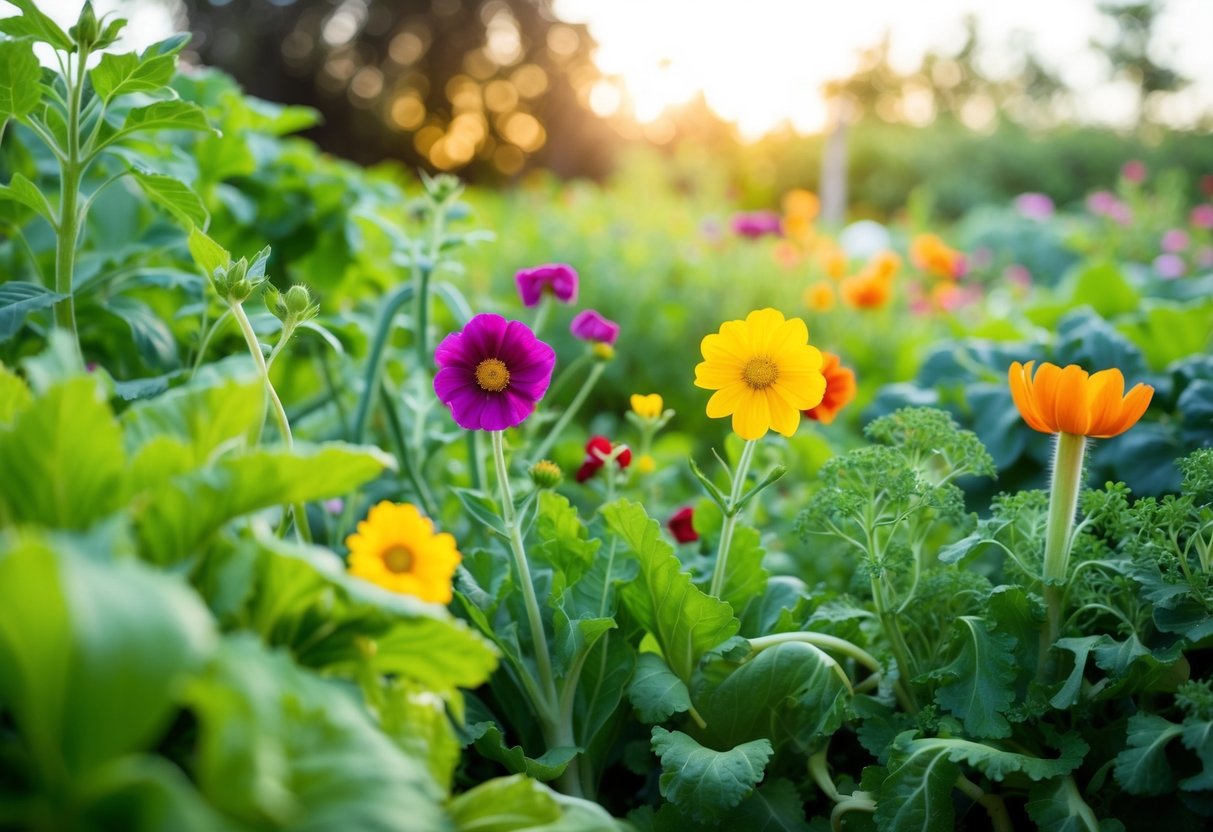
396 548
764 372
648 407
645 464
801 203
819 297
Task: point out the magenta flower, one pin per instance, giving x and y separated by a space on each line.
1105 204
560 279
492 373
1175 240
1169 266
588 325
1202 216
1134 171
755 224
1034 206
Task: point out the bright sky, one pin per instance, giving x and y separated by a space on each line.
762 63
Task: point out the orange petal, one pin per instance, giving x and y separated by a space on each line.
1106 389
1072 411
1020 380
1132 408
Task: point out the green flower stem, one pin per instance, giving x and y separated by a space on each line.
542 314
901 651
284 426
71 172
423 316
375 358
720 572
568 373
570 411
1063 505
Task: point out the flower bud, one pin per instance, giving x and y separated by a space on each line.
298 299
272 299
546 474
86 30
603 351
645 464
239 290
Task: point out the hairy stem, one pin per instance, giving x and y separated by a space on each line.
1063 505
720 570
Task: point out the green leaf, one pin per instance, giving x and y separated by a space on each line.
685 621
791 691
92 651
1198 737
994 762
574 638
774 806
490 742
1057 806
117 75
34 24
1167 331
746 578
208 254
917 794
165 115
703 782
483 509
61 461
18 299
655 692
25 192
417 720
563 537
175 197
14 395
1142 767
505 804
176 517
282 748
978 688
1103 287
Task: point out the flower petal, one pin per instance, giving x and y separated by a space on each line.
752 418
1072 412
727 400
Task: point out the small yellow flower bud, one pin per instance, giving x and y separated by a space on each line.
603 351
645 464
546 474
648 407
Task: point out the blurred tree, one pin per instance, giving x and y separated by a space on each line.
484 87
1131 51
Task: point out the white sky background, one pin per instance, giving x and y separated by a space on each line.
761 63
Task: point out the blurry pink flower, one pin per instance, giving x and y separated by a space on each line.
1019 276
1034 206
1175 240
1106 204
1202 216
560 279
589 325
334 506
1134 171
1169 266
754 224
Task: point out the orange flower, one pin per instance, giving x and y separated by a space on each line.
1070 401
798 228
787 254
840 389
866 291
885 264
819 297
830 257
935 257
801 203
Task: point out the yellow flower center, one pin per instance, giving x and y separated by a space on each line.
398 559
760 373
492 375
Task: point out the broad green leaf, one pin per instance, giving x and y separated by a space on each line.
417 720
165 115
792 691
176 517
505 804
1198 737
118 75
917 794
685 621
1142 767
978 680
144 792
25 192
563 537
574 638
483 509
1057 806
14 395
34 24
61 461
775 806
280 747
18 299
704 782
210 414
490 742
208 254
746 578
154 340
173 196
655 692
1167 331
1104 288
993 762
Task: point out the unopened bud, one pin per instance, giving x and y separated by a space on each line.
546 474
603 351
298 299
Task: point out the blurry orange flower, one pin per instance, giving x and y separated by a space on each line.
831 258
932 255
885 264
819 297
840 389
1070 401
866 291
801 203
798 228
787 254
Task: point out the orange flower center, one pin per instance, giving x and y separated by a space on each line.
492 375
760 373
398 558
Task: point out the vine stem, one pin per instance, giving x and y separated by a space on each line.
720 571
570 411
284 426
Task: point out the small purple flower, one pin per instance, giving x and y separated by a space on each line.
558 278
1175 240
1034 206
754 224
588 325
492 373
334 506
1169 266
1202 216
1105 204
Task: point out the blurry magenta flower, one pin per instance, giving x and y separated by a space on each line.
1106 204
1034 206
588 325
1175 240
1018 275
1134 171
1169 266
753 224
492 373
560 279
1202 216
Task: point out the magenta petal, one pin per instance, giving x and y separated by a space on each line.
483 335
530 287
589 325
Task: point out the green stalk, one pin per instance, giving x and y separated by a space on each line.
570 411
1063 505
375 358
542 314
720 571
71 171
284 426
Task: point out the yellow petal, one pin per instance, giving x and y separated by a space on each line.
785 418
713 375
752 418
727 400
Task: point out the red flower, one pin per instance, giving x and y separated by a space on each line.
596 452
681 525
